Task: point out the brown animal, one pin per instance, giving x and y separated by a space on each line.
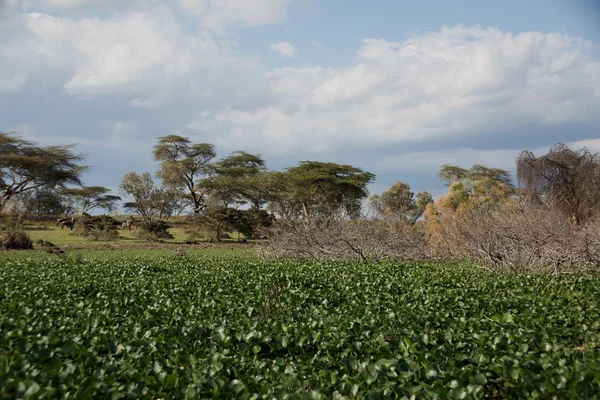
65 222
128 224
68 224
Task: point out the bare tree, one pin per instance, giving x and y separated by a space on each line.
568 179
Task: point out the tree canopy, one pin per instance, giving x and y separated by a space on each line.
325 188
150 201
86 199
25 166
400 203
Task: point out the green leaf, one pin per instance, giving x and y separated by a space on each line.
170 381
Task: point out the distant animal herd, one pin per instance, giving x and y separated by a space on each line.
69 223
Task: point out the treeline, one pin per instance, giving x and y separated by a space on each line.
547 220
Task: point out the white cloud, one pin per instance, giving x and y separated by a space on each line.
592 145
8 8
219 15
144 56
284 49
66 5
456 82
13 83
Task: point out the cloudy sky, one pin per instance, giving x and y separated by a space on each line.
398 88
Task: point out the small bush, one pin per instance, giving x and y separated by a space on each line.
15 238
153 230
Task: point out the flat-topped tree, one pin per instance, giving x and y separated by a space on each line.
327 188
183 164
89 198
25 166
235 180
476 186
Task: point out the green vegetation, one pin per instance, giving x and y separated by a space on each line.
113 325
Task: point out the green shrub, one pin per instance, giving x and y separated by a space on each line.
153 230
99 227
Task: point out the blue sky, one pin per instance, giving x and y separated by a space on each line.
397 88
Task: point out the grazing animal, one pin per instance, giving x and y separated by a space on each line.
128 224
68 222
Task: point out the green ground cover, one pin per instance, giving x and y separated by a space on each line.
153 325
48 231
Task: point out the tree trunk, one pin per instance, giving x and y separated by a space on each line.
4 199
305 211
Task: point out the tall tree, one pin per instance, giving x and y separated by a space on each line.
469 189
569 180
476 186
41 201
233 182
327 188
183 164
24 166
88 198
148 200
400 203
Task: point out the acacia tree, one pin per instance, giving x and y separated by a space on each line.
568 180
327 188
89 198
150 201
183 164
475 187
41 201
468 189
24 166
233 182
400 203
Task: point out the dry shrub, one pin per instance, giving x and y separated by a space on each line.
15 238
521 237
343 239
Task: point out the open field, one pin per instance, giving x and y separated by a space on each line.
154 325
67 239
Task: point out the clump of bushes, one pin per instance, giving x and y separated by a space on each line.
153 230
336 238
14 236
524 236
98 227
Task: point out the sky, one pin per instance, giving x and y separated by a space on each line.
397 88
